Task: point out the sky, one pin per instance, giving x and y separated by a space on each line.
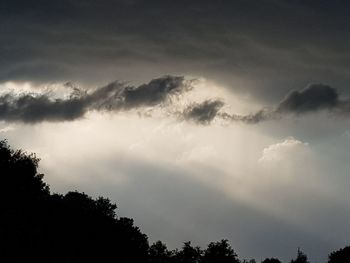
202 120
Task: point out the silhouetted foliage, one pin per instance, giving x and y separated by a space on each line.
220 251
301 258
37 226
271 260
42 227
20 179
340 256
159 253
189 254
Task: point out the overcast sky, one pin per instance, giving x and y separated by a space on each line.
202 120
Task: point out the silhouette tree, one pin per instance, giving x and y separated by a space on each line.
340 256
159 253
220 251
22 196
189 254
301 258
271 260
38 226
20 179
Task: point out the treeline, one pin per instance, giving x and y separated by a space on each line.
39 226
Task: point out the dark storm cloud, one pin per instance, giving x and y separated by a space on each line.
230 41
313 98
151 94
242 44
252 118
115 96
29 108
203 113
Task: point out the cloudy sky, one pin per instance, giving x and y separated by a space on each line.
202 120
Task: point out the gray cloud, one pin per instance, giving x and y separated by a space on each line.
203 113
241 44
115 96
252 118
313 98
31 109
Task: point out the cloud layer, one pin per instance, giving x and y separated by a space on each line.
233 42
313 98
33 108
160 93
203 113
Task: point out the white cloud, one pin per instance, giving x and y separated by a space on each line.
7 129
283 150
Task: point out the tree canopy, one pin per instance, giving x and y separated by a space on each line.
340 256
271 260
